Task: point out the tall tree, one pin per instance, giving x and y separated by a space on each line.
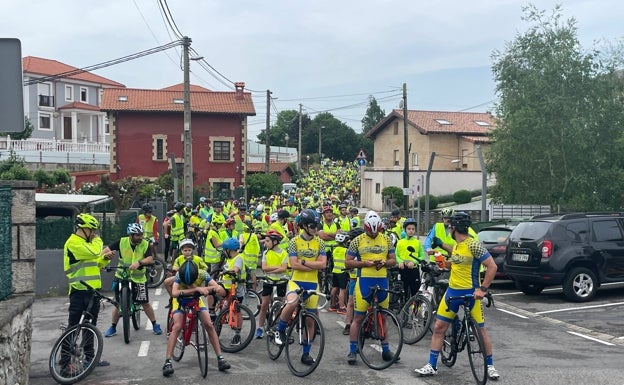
374 114
560 112
287 123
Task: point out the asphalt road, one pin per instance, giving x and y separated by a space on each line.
537 340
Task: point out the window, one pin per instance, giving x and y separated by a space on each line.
414 159
377 188
45 95
69 94
222 149
84 95
482 123
396 157
100 96
396 127
443 122
106 126
45 121
159 148
221 190
606 231
577 231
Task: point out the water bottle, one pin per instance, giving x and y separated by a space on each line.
439 258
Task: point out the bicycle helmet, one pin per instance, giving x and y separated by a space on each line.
283 214
410 221
186 242
372 223
134 228
147 208
229 221
274 235
218 219
356 232
354 210
87 221
273 217
188 272
242 207
327 209
461 221
231 244
341 237
447 212
194 211
189 205
217 204
395 213
308 217
178 206
260 208
202 199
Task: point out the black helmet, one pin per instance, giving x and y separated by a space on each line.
307 217
147 208
355 232
409 221
178 206
461 221
188 272
283 214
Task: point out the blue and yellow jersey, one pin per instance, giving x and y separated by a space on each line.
300 248
201 265
466 261
365 248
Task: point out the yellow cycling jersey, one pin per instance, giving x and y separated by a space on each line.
365 248
466 261
201 265
301 248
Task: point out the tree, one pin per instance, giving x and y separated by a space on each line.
559 138
374 114
287 123
28 129
263 184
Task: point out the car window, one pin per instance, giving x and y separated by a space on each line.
606 231
577 231
493 236
530 230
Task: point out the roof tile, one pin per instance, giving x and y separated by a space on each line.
47 67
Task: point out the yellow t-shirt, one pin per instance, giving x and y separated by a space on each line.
310 250
466 261
365 248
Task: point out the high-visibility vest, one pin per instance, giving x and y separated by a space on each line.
332 228
177 227
229 265
129 256
338 257
345 223
211 254
82 261
148 226
251 249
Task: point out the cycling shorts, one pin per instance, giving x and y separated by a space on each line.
362 292
311 302
447 311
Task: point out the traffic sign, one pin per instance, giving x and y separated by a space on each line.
361 154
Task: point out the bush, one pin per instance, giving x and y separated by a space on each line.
462 196
396 193
433 202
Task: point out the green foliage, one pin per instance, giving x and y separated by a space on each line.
462 196
287 123
43 178
374 114
13 168
433 202
395 192
25 134
91 189
446 198
61 175
559 137
263 184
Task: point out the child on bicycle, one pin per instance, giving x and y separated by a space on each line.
186 247
274 265
188 281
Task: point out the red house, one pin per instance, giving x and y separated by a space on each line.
147 126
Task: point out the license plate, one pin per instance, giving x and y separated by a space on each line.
520 257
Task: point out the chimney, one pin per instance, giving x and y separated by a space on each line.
240 87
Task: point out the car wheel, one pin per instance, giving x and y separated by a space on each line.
529 288
580 284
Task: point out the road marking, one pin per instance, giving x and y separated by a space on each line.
158 291
341 323
155 305
144 348
580 308
591 338
512 313
148 325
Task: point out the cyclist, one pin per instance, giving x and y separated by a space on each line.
443 231
212 256
340 277
167 233
355 219
278 223
186 248
352 280
82 260
134 252
307 256
149 223
234 263
177 224
250 250
466 256
230 231
370 253
189 280
328 233
410 273
274 265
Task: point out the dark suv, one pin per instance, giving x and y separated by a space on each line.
579 251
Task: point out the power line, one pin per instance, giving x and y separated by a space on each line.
169 17
152 32
336 96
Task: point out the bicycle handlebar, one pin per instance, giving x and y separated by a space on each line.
468 297
98 294
111 268
266 279
301 292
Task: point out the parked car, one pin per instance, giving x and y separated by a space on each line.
494 238
579 251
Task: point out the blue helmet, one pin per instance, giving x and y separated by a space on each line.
188 272
231 244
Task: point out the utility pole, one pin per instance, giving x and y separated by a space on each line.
319 150
299 146
405 148
174 174
188 144
267 131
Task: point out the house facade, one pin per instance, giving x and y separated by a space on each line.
455 137
147 126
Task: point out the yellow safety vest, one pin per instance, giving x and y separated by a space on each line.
339 259
251 250
148 226
177 227
129 256
82 261
211 254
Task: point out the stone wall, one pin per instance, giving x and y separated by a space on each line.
16 311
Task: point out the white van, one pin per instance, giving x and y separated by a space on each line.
286 187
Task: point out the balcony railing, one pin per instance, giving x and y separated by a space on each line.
56 151
46 101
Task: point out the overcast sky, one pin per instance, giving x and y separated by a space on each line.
327 55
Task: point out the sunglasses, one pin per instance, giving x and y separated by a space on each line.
313 225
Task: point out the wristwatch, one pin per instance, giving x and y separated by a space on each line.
483 288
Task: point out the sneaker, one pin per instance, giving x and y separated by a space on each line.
346 330
259 333
387 356
280 337
426 371
492 373
223 365
333 309
352 358
342 311
111 331
236 340
167 369
306 359
156 329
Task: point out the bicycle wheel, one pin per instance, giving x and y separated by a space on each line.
449 348
201 345
375 334
273 349
416 317
235 335
76 353
312 340
476 352
126 297
136 316
178 349
253 301
156 273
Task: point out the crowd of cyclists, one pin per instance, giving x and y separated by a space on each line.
290 238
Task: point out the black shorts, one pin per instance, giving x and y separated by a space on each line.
340 280
267 289
139 291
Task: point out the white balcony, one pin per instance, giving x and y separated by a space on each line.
55 151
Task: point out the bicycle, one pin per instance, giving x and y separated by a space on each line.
252 299
79 348
379 326
465 334
193 333
128 308
419 311
272 317
156 273
397 295
325 286
298 334
234 322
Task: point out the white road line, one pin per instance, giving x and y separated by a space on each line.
148 325
144 348
341 323
512 313
155 305
591 338
580 308
621 338
158 291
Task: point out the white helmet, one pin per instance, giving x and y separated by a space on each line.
260 208
341 237
372 223
273 217
186 242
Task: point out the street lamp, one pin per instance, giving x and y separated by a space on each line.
308 163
